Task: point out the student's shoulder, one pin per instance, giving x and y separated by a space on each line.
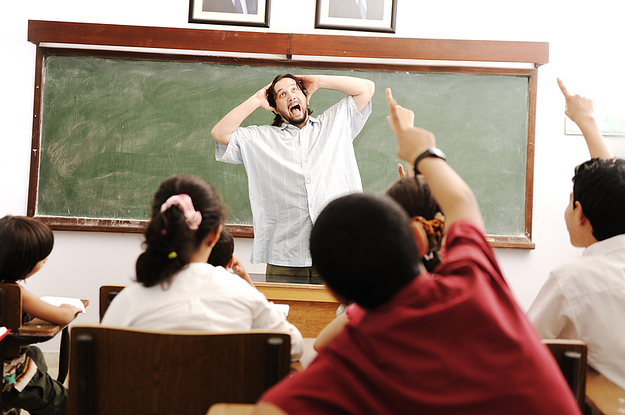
465 233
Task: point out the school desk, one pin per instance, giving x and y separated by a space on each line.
311 306
231 409
602 396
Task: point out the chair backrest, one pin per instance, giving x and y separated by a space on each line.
571 356
107 293
11 307
133 371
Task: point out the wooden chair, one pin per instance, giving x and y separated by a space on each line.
132 371
571 356
107 293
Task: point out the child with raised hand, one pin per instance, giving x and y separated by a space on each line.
451 342
427 224
584 298
25 244
175 288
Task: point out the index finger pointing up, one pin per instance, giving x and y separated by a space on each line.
563 88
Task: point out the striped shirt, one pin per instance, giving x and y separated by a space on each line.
293 174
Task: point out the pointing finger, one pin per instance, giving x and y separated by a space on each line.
563 88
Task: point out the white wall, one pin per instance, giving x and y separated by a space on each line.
586 50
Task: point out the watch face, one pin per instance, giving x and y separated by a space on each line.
436 152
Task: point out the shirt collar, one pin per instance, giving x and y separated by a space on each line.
605 246
311 120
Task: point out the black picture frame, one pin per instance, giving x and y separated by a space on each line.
222 12
379 15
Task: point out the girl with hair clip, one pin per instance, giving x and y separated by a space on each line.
25 244
175 288
427 225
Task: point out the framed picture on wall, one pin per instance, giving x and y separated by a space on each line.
232 12
367 15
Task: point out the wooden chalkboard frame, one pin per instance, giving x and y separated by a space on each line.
158 43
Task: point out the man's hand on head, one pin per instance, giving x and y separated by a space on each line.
311 84
261 97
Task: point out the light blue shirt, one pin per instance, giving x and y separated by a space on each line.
293 174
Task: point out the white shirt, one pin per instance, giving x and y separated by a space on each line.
293 174
584 299
200 298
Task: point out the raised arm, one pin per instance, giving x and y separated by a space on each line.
222 131
453 195
361 89
581 111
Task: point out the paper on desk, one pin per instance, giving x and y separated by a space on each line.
282 307
57 301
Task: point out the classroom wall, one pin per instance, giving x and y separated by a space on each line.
586 50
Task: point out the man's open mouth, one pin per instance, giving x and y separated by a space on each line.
295 110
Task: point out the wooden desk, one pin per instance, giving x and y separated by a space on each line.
312 307
231 409
602 396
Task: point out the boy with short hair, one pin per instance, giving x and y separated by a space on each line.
448 343
222 255
584 298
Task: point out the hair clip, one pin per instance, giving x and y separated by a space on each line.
172 255
193 217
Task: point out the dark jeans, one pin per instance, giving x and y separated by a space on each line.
42 396
298 275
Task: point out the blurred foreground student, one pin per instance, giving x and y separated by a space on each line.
25 244
176 289
453 342
584 298
427 225
222 255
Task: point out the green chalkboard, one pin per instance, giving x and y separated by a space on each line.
112 129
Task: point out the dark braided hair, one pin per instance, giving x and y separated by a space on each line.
414 195
169 242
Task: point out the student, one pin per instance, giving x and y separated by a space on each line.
175 288
25 244
448 343
297 165
222 255
584 298
427 225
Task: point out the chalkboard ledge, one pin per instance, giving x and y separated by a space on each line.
59 223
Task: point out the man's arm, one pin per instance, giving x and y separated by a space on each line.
222 131
359 88
580 110
453 195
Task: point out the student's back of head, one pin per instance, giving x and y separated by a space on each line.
362 246
221 255
599 186
24 242
169 240
414 195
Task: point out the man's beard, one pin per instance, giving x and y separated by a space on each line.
295 120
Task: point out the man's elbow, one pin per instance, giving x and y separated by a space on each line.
370 88
220 136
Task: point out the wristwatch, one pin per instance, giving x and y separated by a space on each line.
430 152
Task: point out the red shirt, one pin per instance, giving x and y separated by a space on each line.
454 342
